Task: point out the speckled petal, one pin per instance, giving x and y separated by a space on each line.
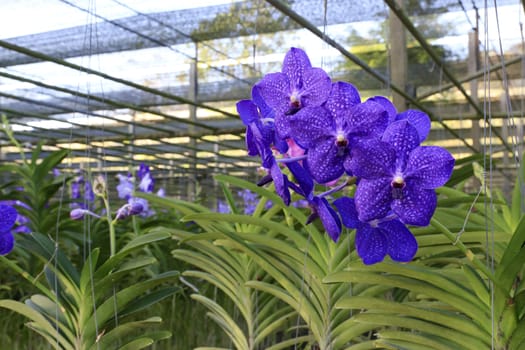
8 216
329 218
419 120
403 137
372 159
417 205
274 89
368 119
402 245
346 208
7 242
316 87
265 110
295 62
247 111
342 96
431 166
387 105
309 125
371 244
373 199
324 162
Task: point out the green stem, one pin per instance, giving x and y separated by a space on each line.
111 223
6 127
468 253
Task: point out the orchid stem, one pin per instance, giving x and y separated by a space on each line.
111 223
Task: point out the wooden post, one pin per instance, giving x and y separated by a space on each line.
398 58
473 67
192 95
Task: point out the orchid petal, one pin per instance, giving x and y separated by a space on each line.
387 105
365 119
402 245
309 125
431 166
295 63
342 96
274 89
372 199
315 88
417 205
403 137
372 159
371 244
419 120
8 216
347 211
328 217
324 162
7 242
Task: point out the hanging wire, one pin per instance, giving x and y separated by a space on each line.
487 165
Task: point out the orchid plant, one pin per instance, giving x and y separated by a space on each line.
340 136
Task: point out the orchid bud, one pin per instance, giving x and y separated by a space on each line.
99 186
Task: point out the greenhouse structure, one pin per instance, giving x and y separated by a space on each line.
262 174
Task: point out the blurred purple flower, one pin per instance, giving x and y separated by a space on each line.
8 216
125 186
223 207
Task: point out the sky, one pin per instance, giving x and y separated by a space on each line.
24 17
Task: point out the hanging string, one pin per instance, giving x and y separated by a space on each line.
487 165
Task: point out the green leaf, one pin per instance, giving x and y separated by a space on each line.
224 320
40 323
121 331
48 163
136 344
513 259
478 284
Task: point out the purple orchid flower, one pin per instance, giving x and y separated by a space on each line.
147 184
134 206
8 216
250 200
298 85
374 240
223 207
328 133
398 175
22 221
125 186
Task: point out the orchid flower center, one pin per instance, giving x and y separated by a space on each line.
341 141
295 103
397 184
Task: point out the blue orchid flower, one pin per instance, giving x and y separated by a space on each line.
298 85
399 175
328 133
374 240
